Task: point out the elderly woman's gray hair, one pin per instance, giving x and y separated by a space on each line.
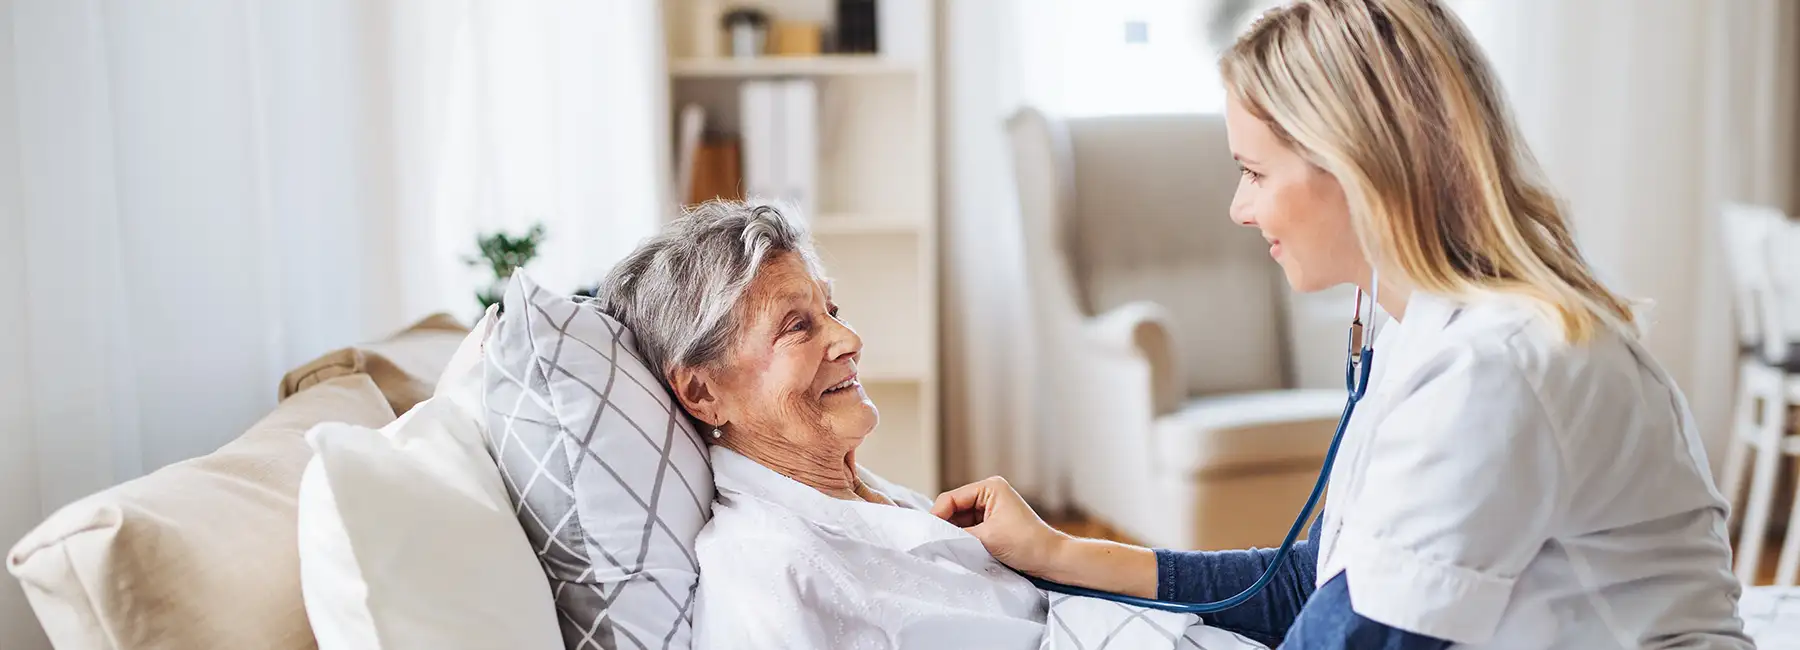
679 291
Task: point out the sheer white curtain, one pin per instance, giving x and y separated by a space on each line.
1646 116
989 421
506 113
1070 57
198 195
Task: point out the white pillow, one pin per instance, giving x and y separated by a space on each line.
408 539
461 382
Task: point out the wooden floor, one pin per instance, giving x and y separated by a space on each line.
1765 570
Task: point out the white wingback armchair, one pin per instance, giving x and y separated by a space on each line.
1164 344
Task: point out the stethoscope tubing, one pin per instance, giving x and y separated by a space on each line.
1357 366
1287 544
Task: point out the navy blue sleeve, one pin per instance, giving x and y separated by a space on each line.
1327 622
1287 613
1207 576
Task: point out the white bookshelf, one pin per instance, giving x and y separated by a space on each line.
876 221
827 225
809 66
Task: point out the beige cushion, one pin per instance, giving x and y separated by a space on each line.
199 554
405 366
1248 432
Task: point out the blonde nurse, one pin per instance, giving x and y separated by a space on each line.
1522 474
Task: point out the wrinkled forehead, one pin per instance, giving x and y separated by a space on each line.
786 281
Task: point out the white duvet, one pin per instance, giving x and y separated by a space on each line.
1772 616
783 566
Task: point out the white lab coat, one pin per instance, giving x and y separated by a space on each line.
1499 488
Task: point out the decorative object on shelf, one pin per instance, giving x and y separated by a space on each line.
796 38
748 29
503 254
856 27
704 20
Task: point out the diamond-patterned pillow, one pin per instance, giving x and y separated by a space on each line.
611 482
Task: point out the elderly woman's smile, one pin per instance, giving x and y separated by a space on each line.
792 365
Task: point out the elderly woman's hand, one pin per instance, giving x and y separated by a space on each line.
995 514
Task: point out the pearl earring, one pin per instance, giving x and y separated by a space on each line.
716 434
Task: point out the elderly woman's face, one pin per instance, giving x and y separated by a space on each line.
791 371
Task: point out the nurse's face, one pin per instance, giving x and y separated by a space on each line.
1299 208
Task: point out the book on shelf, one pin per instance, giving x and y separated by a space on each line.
780 124
717 171
691 126
800 139
756 115
707 165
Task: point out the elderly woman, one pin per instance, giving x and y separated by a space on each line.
805 548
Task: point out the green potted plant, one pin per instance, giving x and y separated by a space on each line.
503 254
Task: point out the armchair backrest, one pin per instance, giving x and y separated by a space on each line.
1118 209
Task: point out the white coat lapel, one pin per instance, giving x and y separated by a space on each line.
1399 348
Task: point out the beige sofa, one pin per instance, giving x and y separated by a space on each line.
203 553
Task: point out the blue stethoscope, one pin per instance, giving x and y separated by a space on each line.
1358 361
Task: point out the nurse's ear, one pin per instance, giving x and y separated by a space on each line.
695 389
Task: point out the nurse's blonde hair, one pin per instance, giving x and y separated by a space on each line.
1394 99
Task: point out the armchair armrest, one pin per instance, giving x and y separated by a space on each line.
1143 329
1244 430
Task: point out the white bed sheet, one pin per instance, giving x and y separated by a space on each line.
1079 623
786 567
1772 617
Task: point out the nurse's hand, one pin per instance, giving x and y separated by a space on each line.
995 514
